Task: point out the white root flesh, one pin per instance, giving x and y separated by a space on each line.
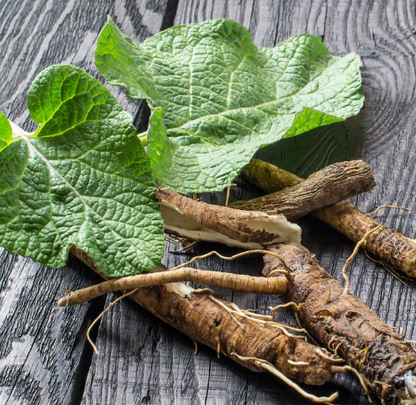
241 226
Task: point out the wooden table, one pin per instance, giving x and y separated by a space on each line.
44 357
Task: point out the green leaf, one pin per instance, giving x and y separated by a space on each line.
6 132
223 98
161 150
81 179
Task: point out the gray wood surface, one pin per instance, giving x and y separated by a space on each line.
43 355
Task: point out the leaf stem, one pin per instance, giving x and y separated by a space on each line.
143 139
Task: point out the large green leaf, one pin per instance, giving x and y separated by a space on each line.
81 179
223 98
6 132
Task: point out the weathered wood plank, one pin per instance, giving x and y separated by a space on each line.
41 345
39 34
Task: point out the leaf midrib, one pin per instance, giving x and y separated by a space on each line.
265 104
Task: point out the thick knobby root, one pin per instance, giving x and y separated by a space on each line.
232 333
347 327
201 316
389 246
330 185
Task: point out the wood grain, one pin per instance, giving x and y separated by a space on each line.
43 354
43 357
41 347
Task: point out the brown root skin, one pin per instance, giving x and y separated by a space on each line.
204 320
330 185
214 278
201 316
197 220
389 246
347 327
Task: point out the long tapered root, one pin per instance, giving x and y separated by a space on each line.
223 280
